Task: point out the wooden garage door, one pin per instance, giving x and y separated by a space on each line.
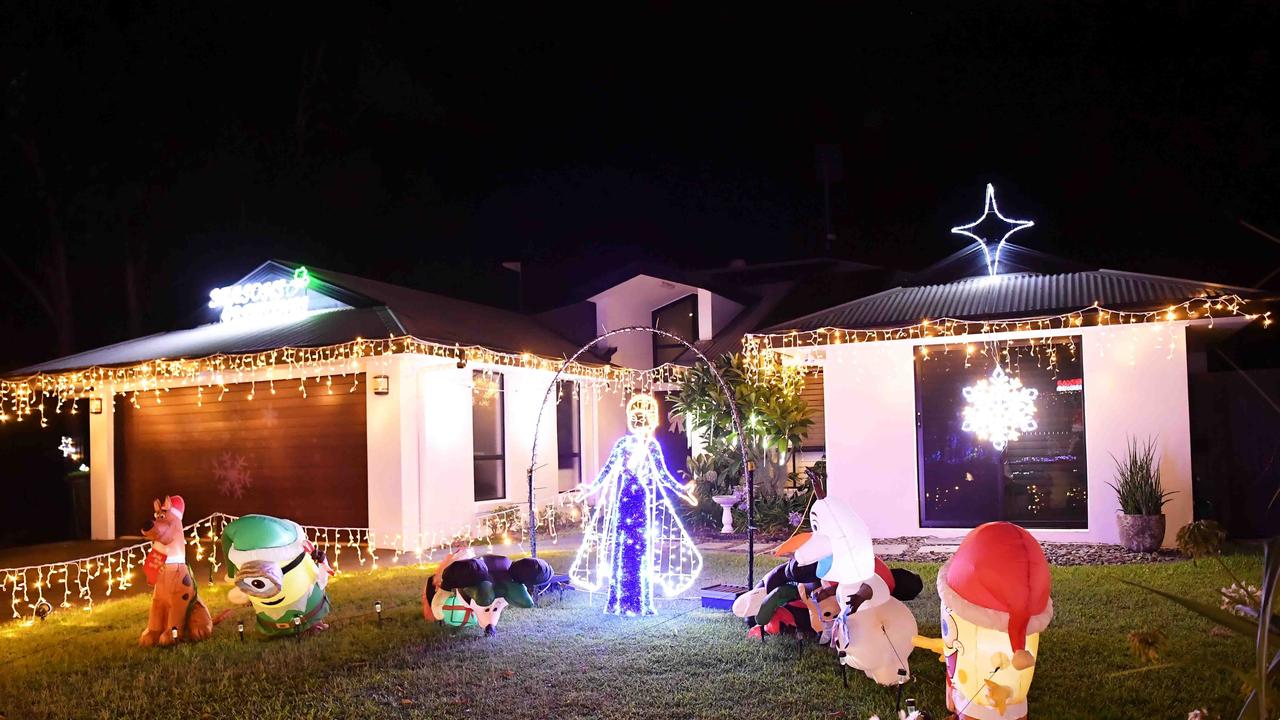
282 454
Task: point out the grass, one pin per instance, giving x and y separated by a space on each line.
567 660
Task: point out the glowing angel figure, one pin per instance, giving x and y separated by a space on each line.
633 539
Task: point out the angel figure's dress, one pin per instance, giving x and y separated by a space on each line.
633 539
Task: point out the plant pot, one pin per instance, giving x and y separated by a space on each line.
726 503
1141 533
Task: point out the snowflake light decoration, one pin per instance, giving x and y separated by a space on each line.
999 409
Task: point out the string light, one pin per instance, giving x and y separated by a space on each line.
114 571
23 397
68 448
634 540
1013 226
759 348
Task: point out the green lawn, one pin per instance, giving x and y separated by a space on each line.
567 660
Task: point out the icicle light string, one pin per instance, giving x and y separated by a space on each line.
36 590
23 397
757 345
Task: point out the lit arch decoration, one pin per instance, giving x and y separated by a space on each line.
748 471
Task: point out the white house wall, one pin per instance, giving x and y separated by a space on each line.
1135 384
524 394
631 304
447 489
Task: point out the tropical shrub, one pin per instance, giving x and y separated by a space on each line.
773 414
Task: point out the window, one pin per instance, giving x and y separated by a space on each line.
680 318
569 436
1039 479
488 436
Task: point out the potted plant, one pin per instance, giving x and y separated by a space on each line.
1142 497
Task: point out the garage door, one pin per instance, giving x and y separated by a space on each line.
277 454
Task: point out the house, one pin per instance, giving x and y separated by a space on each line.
713 308
348 402
338 401
914 425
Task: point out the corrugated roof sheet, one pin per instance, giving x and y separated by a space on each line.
1011 296
442 319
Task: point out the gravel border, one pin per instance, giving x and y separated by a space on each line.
1057 553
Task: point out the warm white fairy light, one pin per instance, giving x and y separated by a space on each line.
759 349
114 571
21 398
1000 409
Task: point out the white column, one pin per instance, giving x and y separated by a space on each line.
524 392
393 428
446 479
102 471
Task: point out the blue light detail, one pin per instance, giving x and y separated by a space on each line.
633 541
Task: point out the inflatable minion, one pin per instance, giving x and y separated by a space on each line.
277 570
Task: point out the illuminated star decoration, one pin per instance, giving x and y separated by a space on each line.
68 448
999 409
1004 227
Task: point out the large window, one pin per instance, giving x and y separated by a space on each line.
569 436
1037 480
680 318
488 436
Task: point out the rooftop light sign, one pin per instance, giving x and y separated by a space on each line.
273 299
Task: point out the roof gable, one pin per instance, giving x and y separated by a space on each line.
320 295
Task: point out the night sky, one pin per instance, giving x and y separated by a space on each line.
181 147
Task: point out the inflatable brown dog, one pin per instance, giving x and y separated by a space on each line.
174 603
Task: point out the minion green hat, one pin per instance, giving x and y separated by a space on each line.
261 537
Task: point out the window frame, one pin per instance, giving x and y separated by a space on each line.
501 456
661 342
917 372
570 394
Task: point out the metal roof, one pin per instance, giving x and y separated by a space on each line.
1012 296
321 328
